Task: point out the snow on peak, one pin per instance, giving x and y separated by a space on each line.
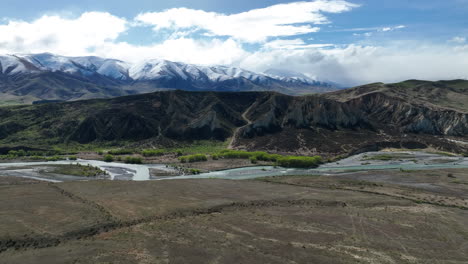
156 69
49 62
290 76
145 70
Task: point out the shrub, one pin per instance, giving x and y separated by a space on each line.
179 153
108 158
100 152
299 162
215 157
194 171
121 151
36 158
193 158
133 160
253 160
152 152
72 158
240 154
54 158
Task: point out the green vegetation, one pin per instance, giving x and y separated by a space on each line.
241 154
54 158
199 147
152 152
78 170
72 157
193 158
121 152
299 162
108 158
133 160
31 154
194 171
284 161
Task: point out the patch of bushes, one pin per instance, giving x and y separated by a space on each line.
54 158
152 152
193 158
283 161
194 171
241 154
108 158
299 162
133 160
253 160
117 152
72 158
30 153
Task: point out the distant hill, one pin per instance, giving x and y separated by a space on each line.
47 76
412 114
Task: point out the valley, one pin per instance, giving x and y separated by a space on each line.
374 216
371 174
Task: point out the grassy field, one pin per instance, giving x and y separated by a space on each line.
374 217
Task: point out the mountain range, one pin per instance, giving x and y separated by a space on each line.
411 114
45 77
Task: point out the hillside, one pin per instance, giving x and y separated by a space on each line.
363 118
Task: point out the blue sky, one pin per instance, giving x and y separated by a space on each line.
350 42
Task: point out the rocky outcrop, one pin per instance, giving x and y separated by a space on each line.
337 123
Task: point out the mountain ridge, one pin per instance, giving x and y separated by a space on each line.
349 121
104 75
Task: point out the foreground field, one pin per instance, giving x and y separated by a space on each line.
374 217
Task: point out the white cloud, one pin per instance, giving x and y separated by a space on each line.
60 35
354 64
97 33
292 44
255 25
214 51
385 29
367 34
458 40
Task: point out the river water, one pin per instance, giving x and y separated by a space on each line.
120 171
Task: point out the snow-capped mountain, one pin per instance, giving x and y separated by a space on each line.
46 62
91 77
156 69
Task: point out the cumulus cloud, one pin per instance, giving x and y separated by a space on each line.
187 50
256 25
275 32
355 64
61 35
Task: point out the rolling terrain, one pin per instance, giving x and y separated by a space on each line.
412 114
367 218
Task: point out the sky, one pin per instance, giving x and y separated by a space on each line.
349 42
